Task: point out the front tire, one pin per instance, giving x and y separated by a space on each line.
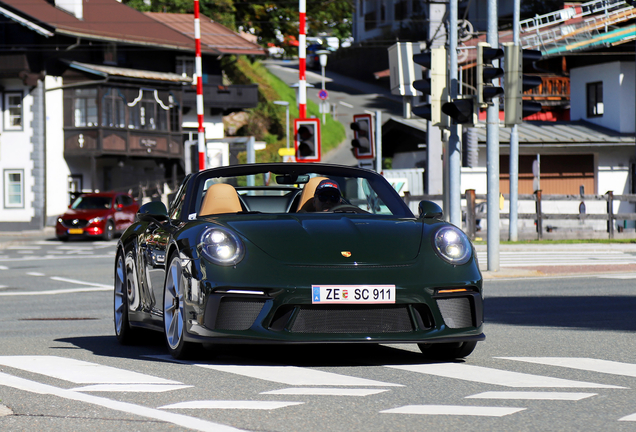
109 231
447 351
174 318
126 335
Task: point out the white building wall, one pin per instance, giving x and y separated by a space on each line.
213 124
618 94
15 154
57 170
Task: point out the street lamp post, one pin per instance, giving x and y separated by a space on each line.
286 105
322 55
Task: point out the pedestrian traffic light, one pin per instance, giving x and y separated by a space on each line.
307 140
517 61
462 111
362 143
487 72
435 86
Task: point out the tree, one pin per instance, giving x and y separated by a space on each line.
221 11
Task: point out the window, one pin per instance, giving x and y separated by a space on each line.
175 111
400 10
148 112
113 111
185 66
13 111
13 188
85 107
595 99
110 53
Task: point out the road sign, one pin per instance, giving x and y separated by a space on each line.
322 94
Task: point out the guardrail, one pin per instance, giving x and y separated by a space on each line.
472 213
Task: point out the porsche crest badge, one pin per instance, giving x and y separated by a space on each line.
346 254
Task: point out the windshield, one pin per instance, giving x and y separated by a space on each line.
92 203
348 191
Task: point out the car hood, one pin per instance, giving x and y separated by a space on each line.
326 240
85 214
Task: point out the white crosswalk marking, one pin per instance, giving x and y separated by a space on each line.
453 410
560 258
496 376
587 364
219 404
322 391
78 371
131 388
507 395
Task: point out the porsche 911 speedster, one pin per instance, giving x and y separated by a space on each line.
296 254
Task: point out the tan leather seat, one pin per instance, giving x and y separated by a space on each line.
308 192
220 198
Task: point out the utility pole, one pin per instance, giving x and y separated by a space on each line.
514 144
454 155
492 151
302 65
199 73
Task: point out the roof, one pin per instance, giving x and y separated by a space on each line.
548 134
106 20
213 35
105 71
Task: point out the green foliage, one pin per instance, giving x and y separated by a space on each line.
241 71
221 11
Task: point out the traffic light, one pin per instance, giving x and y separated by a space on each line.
435 86
516 83
362 142
307 140
486 72
462 111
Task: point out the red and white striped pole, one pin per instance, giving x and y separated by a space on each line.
302 65
199 73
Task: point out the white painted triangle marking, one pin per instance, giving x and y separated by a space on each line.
78 371
289 375
496 376
219 404
480 411
322 391
581 363
631 417
131 388
567 396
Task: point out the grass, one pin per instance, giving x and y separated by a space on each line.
268 119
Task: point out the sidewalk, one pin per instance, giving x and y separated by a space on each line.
12 238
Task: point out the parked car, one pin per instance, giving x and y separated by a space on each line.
101 214
296 253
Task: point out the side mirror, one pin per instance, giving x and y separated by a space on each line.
154 211
429 210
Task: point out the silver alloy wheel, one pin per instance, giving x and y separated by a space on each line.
173 304
120 292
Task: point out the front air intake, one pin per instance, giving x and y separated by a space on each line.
237 313
456 312
338 320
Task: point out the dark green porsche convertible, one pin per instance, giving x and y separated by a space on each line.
296 253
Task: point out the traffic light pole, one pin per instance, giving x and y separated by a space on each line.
514 144
454 165
492 151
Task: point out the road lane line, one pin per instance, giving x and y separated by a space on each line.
567 396
24 247
4 268
54 292
79 282
35 274
348 105
322 391
78 371
220 404
131 388
580 363
289 375
453 410
496 376
177 419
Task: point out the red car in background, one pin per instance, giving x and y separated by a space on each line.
97 215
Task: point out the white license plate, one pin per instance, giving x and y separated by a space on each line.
342 294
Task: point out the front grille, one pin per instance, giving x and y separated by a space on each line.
74 223
456 312
237 314
330 319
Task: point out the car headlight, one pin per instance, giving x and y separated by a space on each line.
60 220
452 245
96 219
222 246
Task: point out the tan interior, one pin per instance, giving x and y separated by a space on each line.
220 198
309 190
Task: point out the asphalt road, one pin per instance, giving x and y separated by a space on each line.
558 356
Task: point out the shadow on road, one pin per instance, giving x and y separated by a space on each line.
615 313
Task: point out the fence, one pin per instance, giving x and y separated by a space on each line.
474 212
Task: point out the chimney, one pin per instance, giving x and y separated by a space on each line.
74 7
